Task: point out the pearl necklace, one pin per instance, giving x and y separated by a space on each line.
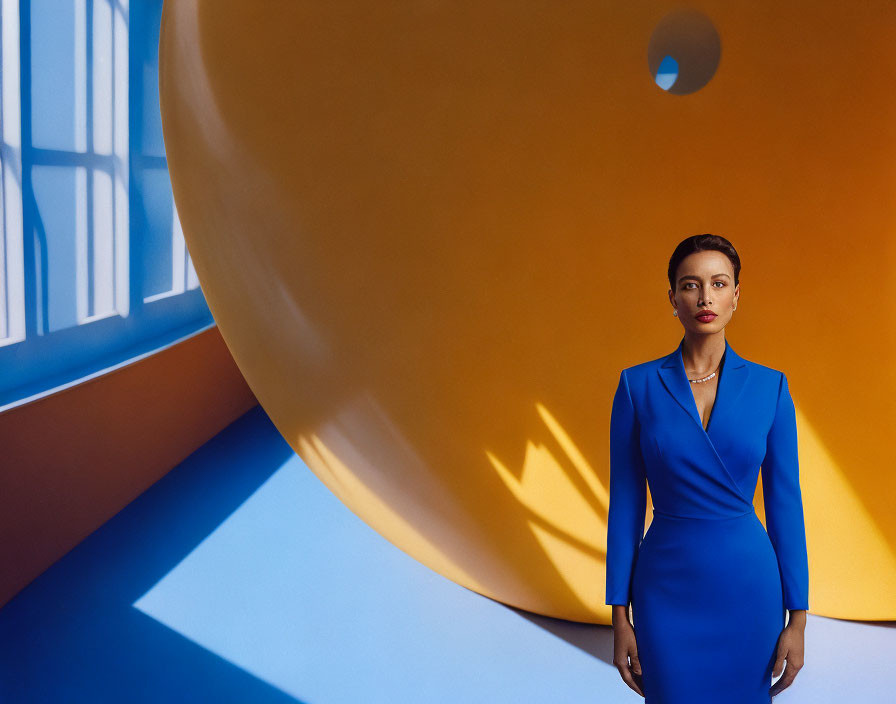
706 378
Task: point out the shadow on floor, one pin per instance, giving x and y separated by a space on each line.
73 635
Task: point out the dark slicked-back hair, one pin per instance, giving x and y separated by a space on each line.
700 243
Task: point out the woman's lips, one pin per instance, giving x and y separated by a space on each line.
706 317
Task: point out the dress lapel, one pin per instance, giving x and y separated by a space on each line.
733 375
731 381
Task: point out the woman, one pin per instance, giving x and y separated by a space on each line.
709 588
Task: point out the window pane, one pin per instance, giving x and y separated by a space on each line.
59 74
158 265
152 142
60 192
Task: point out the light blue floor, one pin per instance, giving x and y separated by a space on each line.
239 578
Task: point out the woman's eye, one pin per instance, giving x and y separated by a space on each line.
691 283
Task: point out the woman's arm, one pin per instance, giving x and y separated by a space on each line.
628 496
786 528
783 502
625 528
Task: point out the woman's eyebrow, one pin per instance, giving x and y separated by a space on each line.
692 276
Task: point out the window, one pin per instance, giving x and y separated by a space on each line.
95 265
12 284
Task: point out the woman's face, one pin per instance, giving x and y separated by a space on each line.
705 282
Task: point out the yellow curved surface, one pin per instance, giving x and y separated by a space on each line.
418 224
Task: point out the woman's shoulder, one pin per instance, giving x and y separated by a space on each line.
637 374
764 368
763 371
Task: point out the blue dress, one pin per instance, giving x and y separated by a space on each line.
708 584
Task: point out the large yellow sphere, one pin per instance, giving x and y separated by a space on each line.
432 233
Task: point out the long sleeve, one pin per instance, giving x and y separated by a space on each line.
628 496
783 502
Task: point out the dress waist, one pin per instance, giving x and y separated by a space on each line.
679 517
